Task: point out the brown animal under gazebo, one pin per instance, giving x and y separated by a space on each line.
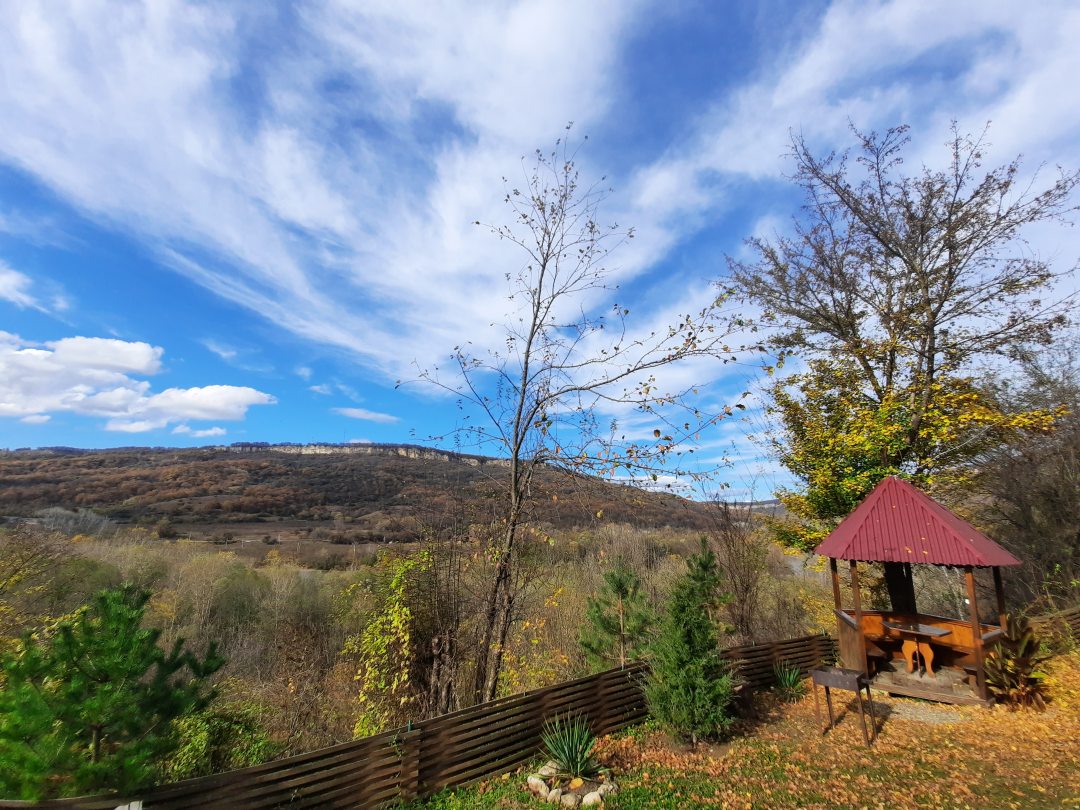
900 650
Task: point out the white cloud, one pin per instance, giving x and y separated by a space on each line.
366 415
303 372
97 377
15 288
186 430
36 419
322 389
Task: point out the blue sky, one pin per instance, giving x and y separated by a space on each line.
244 222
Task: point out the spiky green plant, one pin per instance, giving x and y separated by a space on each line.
790 685
1013 667
569 742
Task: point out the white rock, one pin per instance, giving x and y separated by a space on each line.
549 770
554 796
593 799
607 789
538 786
570 800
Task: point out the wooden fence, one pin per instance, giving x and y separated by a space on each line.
1064 623
453 749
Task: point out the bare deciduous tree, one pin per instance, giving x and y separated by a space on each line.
539 400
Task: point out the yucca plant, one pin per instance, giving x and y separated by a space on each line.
569 742
1013 667
789 681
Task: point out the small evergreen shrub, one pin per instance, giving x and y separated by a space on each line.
89 703
691 687
617 620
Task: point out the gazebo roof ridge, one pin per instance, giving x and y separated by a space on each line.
898 523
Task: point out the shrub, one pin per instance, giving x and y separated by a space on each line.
790 685
1013 667
569 742
219 739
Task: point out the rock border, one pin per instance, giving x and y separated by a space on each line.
546 786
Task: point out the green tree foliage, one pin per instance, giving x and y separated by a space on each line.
839 443
89 704
894 287
219 739
387 693
691 686
618 620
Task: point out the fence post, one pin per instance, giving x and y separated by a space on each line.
411 748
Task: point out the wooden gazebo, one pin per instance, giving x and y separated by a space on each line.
901 650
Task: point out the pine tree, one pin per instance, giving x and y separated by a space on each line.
618 620
691 686
88 704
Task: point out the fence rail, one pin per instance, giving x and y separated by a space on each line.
1063 623
445 751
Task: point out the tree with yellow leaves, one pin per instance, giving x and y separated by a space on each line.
895 288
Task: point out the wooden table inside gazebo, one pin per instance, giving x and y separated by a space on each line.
899 526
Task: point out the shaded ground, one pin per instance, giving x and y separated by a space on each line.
927 755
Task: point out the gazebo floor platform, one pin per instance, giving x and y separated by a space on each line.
944 686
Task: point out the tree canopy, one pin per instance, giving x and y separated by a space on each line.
896 288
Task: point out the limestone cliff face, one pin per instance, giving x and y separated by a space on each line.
399 450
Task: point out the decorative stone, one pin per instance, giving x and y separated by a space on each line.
554 796
549 770
538 786
570 800
593 799
607 789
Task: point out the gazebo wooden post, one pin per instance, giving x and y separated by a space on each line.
976 631
999 592
835 582
857 597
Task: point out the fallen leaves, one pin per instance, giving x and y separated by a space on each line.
927 755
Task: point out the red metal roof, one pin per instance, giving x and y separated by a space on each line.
898 523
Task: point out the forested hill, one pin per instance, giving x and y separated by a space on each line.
371 492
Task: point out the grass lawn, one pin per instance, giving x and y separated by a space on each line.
927 755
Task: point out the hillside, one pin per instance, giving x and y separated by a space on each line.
351 492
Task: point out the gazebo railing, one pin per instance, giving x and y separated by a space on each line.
960 640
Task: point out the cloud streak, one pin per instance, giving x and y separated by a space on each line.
367 416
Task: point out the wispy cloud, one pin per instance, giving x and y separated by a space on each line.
224 352
367 416
15 288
